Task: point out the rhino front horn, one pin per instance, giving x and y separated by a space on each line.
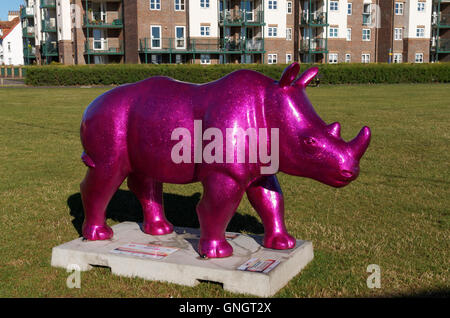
335 129
360 143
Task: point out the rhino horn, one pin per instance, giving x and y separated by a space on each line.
334 129
289 74
307 76
360 143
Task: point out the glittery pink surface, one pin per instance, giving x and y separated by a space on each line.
126 133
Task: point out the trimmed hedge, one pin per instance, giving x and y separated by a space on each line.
116 74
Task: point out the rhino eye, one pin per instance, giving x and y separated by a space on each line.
309 141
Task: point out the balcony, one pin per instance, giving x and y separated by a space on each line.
50 49
49 25
180 45
313 46
317 18
97 22
48 4
26 12
29 52
443 46
237 17
111 46
441 20
28 32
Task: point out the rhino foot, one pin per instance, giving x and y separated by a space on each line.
97 232
214 248
160 227
279 241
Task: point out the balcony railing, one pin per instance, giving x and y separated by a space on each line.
237 17
313 45
26 12
103 47
29 52
49 25
48 3
316 18
50 49
442 19
443 45
255 44
28 31
97 22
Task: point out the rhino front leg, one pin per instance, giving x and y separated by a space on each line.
150 194
267 199
221 197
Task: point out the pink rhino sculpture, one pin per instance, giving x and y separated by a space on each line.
126 133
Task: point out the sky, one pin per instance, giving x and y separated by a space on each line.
8 5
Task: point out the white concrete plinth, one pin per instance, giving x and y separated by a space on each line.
173 258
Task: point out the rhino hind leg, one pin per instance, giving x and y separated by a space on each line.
267 199
150 194
97 189
221 197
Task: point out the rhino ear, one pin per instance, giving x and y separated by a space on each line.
289 74
307 76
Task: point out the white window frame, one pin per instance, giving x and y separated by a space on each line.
420 32
271 60
272 4
205 59
332 34
334 6
398 34
288 34
156 4
204 4
349 8
348 36
184 37
420 60
180 3
367 36
151 36
272 32
206 30
289 7
365 58
288 58
348 57
398 8
420 6
398 57
333 58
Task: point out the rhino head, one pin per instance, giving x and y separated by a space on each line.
308 146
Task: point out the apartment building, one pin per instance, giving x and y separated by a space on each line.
234 31
440 42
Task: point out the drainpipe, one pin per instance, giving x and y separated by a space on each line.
296 29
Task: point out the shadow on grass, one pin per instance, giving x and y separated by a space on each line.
179 209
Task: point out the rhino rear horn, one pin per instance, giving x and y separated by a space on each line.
289 74
307 76
360 143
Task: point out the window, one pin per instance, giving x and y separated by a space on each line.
289 7
179 5
179 33
272 31
349 34
156 36
365 58
420 32
272 59
366 34
156 58
334 5
333 33
9 47
332 58
155 4
349 8
205 59
204 3
398 34
397 57
419 58
272 5
421 6
204 30
289 34
348 58
398 8
288 58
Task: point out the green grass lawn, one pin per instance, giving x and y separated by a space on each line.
396 214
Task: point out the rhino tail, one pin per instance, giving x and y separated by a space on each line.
87 160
